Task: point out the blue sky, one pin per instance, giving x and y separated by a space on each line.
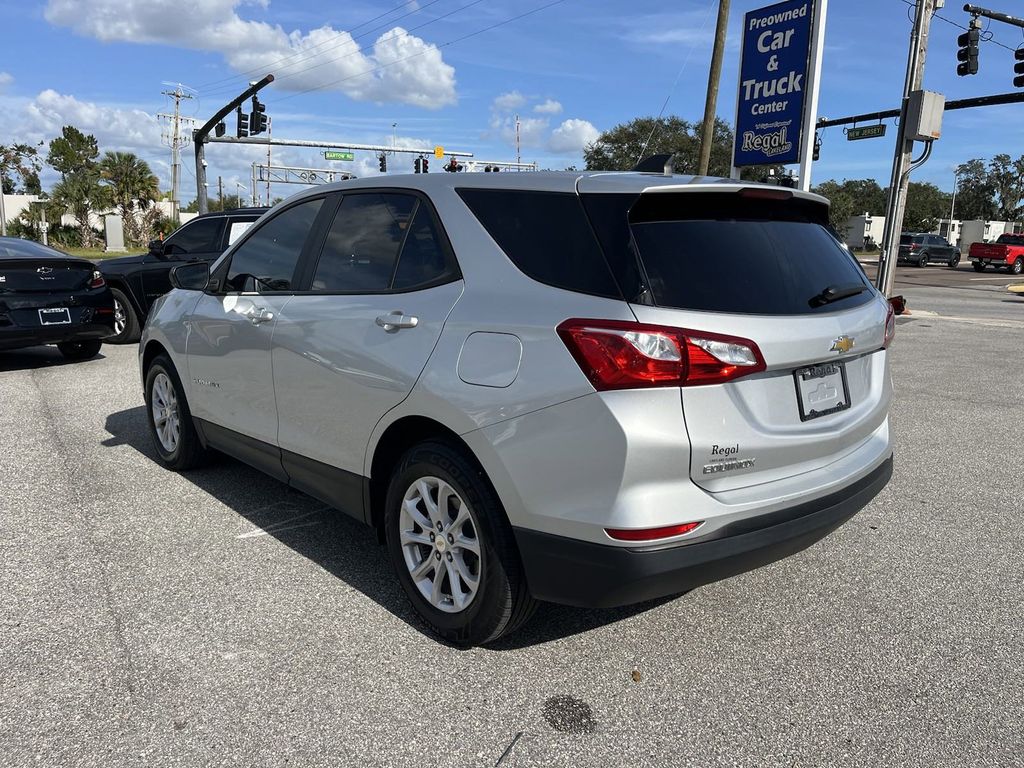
446 74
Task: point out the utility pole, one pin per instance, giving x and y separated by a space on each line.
900 180
220 191
270 135
519 159
176 139
711 101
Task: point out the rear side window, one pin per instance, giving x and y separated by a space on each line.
724 253
547 237
199 236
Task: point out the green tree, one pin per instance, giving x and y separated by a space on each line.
1007 179
926 204
214 204
21 161
621 147
975 196
73 154
842 205
132 186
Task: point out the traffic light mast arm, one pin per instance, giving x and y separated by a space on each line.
201 135
994 15
977 101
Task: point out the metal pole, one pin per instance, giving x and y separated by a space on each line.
253 185
3 212
952 207
904 148
811 102
707 133
270 126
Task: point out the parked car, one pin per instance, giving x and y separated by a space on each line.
136 281
49 297
921 248
1007 251
591 389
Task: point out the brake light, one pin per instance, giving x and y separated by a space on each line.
761 193
914 246
651 534
890 326
97 280
616 354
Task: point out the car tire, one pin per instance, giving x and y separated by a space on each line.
170 421
79 350
1017 267
923 260
954 261
979 266
126 322
469 539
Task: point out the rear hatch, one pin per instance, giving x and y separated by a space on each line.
908 244
758 268
993 251
44 275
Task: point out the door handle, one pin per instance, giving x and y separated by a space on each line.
259 315
395 320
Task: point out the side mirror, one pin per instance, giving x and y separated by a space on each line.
156 248
193 276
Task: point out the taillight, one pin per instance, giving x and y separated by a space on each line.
97 280
890 327
652 534
616 354
914 246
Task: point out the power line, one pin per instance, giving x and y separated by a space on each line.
986 37
309 53
421 53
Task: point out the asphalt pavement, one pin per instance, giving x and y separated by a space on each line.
218 618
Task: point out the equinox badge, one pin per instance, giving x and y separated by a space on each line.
843 344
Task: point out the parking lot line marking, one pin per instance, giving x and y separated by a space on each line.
996 278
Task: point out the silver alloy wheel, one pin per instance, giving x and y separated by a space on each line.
166 419
120 318
440 544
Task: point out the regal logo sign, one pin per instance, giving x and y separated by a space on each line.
770 102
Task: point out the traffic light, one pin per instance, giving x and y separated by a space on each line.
1018 68
453 166
817 148
417 165
219 129
382 161
967 54
243 123
426 164
258 120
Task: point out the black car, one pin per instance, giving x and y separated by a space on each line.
48 297
137 281
921 248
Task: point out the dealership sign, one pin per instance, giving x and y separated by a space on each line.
773 80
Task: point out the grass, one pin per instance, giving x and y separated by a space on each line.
97 254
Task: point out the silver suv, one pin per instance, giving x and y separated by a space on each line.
592 389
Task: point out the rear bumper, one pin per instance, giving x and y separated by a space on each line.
574 572
18 338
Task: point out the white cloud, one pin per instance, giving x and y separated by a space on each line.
532 130
399 68
572 136
6 78
549 107
508 101
113 127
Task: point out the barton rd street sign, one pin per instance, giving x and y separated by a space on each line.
333 155
865 132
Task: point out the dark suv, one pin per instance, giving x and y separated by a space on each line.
137 281
921 248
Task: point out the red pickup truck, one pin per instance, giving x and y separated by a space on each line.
1007 251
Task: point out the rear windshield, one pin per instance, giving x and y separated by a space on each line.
721 252
908 239
1011 239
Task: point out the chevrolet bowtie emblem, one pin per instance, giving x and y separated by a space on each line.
843 344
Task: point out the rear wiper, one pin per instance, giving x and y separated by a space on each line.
835 293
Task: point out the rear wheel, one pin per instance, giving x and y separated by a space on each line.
126 322
79 350
452 546
170 421
1018 266
979 266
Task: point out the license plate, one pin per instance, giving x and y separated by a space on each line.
821 390
55 316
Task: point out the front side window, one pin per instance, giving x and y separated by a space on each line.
198 236
267 259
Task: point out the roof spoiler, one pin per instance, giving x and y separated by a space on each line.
655 164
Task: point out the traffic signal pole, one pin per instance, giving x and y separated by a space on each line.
896 203
201 135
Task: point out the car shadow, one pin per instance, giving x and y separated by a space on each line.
340 545
37 357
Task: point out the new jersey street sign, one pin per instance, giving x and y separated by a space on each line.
865 132
773 70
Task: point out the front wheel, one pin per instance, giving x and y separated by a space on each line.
954 261
1018 266
170 421
979 266
923 261
453 548
79 350
126 322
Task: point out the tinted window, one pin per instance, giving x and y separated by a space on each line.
266 260
546 235
362 245
199 236
238 229
423 260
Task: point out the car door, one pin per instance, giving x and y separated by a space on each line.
194 239
351 347
230 331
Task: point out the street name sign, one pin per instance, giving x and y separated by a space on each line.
865 132
331 154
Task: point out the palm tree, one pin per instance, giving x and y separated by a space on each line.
132 185
80 193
